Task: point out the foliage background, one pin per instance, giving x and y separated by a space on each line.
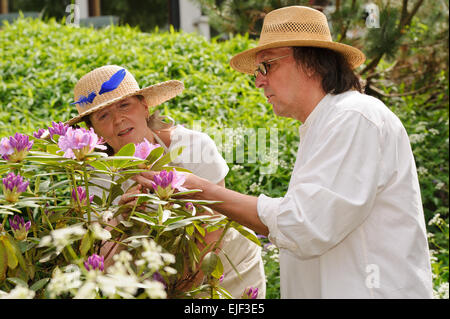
40 63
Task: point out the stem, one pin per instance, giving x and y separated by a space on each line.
227 226
132 211
72 253
86 186
46 218
33 224
4 221
110 193
74 187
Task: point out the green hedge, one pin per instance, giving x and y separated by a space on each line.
40 62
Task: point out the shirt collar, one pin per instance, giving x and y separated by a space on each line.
320 107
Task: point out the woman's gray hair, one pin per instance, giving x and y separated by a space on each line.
158 122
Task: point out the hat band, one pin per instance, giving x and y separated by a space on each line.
313 28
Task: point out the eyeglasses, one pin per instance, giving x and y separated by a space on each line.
264 66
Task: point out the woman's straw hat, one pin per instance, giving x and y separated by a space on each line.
111 83
294 26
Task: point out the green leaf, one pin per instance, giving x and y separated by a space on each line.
167 158
86 243
218 270
39 284
155 154
232 264
17 281
250 236
145 221
209 263
127 150
200 229
3 261
11 253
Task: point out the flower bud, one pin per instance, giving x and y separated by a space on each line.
19 227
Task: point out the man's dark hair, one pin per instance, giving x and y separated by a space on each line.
336 74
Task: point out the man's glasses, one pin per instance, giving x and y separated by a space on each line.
263 67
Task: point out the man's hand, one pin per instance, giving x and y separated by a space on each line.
192 182
236 206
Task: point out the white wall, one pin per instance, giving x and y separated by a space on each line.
83 6
191 19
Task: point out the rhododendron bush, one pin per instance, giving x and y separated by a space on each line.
55 233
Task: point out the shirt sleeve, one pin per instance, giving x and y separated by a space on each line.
200 156
331 193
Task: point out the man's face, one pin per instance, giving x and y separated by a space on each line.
285 85
122 122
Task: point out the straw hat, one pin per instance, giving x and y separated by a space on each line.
294 26
111 83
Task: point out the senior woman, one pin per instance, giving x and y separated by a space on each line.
110 100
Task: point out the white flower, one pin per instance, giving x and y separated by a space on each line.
254 187
436 220
99 232
123 285
63 237
154 289
422 170
170 270
416 138
440 185
121 263
107 216
151 255
237 167
441 292
19 292
63 282
87 291
168 258
433 131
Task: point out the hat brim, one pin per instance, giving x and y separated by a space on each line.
245 61
154 95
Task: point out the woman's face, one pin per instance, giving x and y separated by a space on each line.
122 123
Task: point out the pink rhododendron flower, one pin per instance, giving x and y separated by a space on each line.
77 143
39 133
165 183
144 149
13 185
58 129
81 195
95 262
19 227
250 293
15 148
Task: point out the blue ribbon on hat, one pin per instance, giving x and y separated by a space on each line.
107 86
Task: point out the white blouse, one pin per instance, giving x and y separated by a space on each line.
351 224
